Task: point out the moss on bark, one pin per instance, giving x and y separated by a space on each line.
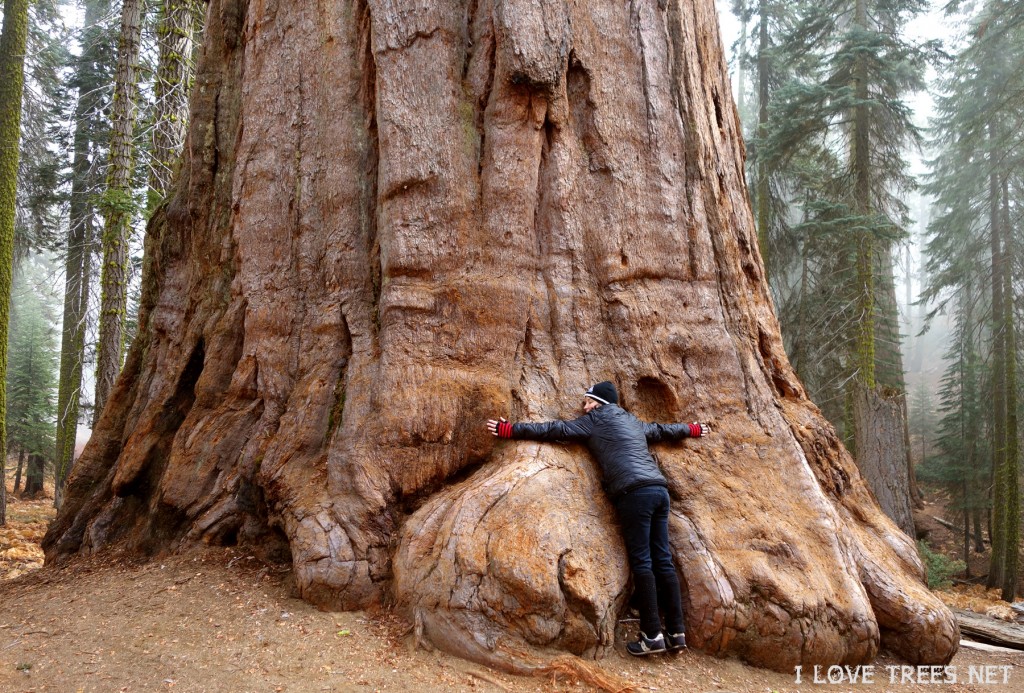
12 79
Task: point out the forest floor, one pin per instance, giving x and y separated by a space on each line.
967 591
219 620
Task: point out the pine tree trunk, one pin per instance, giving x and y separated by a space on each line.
763 187
78 262
393 225
967 536
800 328
118 207
742 104
890 379
979 537
17 474
861 165
888 353
173 81
34 475
1011 459
12 79
881 455
999 529
879 423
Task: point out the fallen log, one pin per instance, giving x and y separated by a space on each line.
984 647
989 630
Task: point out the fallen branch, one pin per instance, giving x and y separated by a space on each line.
983 647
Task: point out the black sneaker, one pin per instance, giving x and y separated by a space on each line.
676 641
645 646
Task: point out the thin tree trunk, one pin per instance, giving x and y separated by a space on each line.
743 104
918 358
991 532
12 79
118 207
908 296
999 528
799 347
967 530
173 81
763 186
21 463
970 430
1011 459
979 532
865 263
78 262
965 478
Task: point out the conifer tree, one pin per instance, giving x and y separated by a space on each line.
12 63
175 29
980 155
91 71
964 426
785 177
848 100
838 128
118 206
42 194
762 55
31 373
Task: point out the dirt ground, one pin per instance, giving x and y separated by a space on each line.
219 620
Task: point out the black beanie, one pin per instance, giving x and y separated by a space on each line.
603 392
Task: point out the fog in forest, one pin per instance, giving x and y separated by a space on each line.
925 322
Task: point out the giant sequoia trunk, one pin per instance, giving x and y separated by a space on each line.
397 219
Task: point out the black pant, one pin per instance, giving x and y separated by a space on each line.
643 514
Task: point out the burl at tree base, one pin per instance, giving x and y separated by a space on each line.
395 220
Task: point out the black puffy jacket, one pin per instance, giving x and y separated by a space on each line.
617 439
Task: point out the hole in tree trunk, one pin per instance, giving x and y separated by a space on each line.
654 400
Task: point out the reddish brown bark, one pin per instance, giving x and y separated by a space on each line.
397 220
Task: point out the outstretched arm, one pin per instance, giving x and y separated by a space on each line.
550 431
657 432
